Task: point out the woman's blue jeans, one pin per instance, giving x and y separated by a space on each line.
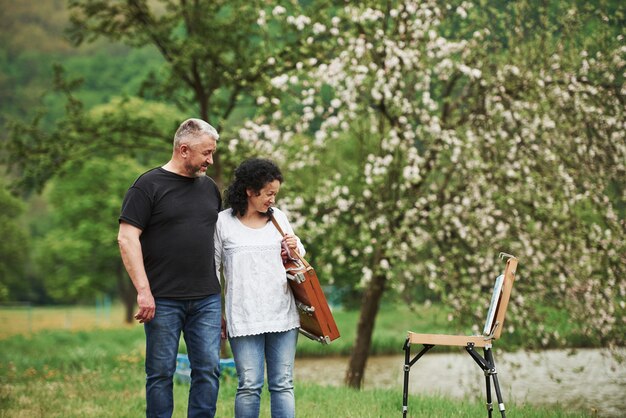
200 322
278 350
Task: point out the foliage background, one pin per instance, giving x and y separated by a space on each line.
418 139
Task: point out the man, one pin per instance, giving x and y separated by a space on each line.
166 242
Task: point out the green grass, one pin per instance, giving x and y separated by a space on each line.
394 320
392 324
390 330
27 319
100 374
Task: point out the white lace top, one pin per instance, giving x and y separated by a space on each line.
258 298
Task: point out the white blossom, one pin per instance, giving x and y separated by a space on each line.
279 10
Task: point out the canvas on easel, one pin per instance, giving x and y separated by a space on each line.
495 300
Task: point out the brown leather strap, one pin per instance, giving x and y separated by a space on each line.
295 250
276 224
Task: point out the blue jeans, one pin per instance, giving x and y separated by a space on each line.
278 349
200 322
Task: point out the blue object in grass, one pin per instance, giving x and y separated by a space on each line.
183 368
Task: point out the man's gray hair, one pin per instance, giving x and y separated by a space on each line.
193 129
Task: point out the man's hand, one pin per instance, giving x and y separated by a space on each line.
147 307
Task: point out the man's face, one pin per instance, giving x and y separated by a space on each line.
199 155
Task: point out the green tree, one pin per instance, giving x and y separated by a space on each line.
218 54
13 246
78 255
32 40
126 126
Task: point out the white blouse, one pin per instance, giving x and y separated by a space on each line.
258 298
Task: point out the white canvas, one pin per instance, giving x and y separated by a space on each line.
495 298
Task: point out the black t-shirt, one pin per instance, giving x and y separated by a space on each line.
177 216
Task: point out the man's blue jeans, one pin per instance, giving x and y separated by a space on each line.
200 322
278 349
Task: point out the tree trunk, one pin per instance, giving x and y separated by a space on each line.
217 172
127 293
360 352
203 104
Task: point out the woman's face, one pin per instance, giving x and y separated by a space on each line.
262 200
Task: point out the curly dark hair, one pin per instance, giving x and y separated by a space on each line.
254 173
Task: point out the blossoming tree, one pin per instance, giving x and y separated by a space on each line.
441 135
216 54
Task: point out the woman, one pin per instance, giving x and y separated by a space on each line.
261 315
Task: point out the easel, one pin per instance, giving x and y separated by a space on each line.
491 332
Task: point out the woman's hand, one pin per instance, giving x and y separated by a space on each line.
291 241
289 244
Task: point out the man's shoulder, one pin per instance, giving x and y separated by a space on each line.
147 177
209 186
209 181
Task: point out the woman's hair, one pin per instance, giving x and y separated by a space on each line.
252 174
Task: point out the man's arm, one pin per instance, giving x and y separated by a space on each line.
132 257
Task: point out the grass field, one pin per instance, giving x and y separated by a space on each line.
392 324
26 320
99 373
391 327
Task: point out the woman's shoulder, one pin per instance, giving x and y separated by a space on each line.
225 216
278 213
281 217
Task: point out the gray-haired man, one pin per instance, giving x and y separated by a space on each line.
166 240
